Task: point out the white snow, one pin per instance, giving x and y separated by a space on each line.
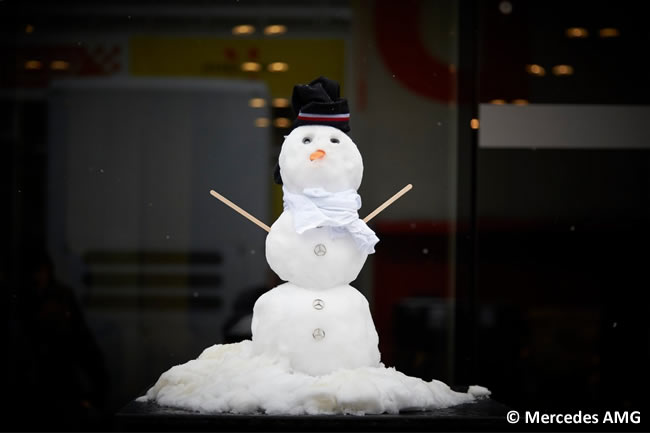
341 168
292 256
233 378
285 319
479 391
295 257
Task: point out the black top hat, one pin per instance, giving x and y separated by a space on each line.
319 103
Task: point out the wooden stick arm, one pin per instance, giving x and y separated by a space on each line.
259 223
239 210
388 202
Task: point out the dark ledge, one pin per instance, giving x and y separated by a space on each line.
481 415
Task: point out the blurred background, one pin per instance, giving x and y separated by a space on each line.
517 262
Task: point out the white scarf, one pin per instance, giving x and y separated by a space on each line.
316 207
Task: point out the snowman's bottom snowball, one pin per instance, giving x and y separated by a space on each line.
231 378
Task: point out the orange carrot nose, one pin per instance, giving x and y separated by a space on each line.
317 155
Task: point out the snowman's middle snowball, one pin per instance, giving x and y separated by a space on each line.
313 259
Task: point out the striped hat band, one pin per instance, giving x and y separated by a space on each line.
324 117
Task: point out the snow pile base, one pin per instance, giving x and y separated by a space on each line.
232 378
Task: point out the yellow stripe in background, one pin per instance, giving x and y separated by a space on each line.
306 59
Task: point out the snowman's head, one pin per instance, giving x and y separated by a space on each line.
322 156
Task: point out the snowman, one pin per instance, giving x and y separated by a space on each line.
318 244
314 347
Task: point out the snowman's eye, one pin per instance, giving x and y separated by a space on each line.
306 140
334 140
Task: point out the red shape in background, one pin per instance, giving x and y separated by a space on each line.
230 54
80 59
253 53
400 45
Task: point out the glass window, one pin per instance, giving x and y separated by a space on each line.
122 118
